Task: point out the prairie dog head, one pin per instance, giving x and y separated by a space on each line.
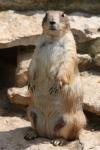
55 23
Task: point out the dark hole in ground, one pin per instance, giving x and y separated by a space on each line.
8 60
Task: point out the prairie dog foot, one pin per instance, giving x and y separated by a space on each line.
30 135
58 142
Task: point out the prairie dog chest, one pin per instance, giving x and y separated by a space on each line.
51 53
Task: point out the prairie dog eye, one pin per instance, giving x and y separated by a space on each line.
63 15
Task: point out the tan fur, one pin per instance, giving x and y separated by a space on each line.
55 82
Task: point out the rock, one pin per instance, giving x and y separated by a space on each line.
90 140
84 60
94 47
94 51
91 86
23 61
20 28
87 6
97 60
83 27
19 96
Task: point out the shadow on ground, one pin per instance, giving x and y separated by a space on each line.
14 139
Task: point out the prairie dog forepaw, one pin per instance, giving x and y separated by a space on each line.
63 79
55 88
30 135
59 142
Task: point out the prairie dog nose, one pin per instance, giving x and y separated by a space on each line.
52 22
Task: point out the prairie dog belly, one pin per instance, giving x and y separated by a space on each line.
49 59
47 106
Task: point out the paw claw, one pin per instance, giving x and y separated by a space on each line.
58 142
55 88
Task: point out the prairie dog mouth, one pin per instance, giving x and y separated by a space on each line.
53 28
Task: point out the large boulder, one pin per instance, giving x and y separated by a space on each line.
91 86
20 96
19 28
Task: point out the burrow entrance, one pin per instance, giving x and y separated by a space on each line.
8 65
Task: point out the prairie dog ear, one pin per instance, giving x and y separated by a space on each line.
45 18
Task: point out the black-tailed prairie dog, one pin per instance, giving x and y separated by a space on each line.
55 84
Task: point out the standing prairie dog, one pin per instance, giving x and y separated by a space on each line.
55 84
